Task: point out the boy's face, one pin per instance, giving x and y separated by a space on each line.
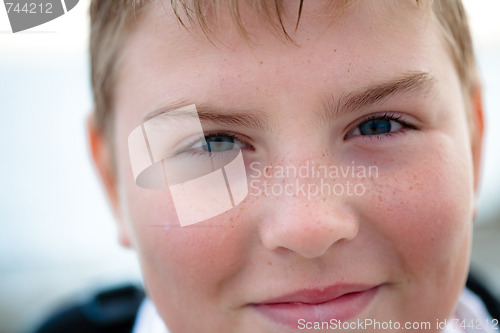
375 88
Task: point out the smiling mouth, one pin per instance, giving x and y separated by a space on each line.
338 302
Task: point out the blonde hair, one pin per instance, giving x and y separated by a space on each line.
111 21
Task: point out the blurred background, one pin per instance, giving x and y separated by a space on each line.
57 236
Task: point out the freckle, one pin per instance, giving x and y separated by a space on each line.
334 50
308 61
261 62
348 70
411 188
231 219
232 226
269 263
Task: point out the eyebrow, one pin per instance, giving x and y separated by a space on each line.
216 115
414 82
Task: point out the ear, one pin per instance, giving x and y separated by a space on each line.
102 155
477 130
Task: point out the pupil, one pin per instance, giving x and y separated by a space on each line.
375 126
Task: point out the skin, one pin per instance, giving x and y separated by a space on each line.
409 233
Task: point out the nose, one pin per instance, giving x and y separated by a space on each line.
308 226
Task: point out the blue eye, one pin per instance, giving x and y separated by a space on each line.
375 127
219 143
215 144
379 125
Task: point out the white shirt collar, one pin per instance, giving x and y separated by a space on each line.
148 320
471 312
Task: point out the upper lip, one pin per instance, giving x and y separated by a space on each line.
318 295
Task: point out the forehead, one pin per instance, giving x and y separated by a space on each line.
383 38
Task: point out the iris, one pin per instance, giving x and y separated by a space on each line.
375 127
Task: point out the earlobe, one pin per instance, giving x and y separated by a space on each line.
103 160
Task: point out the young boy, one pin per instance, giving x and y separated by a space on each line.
358 125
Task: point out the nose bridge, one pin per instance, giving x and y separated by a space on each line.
307 199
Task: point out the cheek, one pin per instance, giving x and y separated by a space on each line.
423 204
184 267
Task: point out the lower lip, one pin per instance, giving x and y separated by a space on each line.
341 308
